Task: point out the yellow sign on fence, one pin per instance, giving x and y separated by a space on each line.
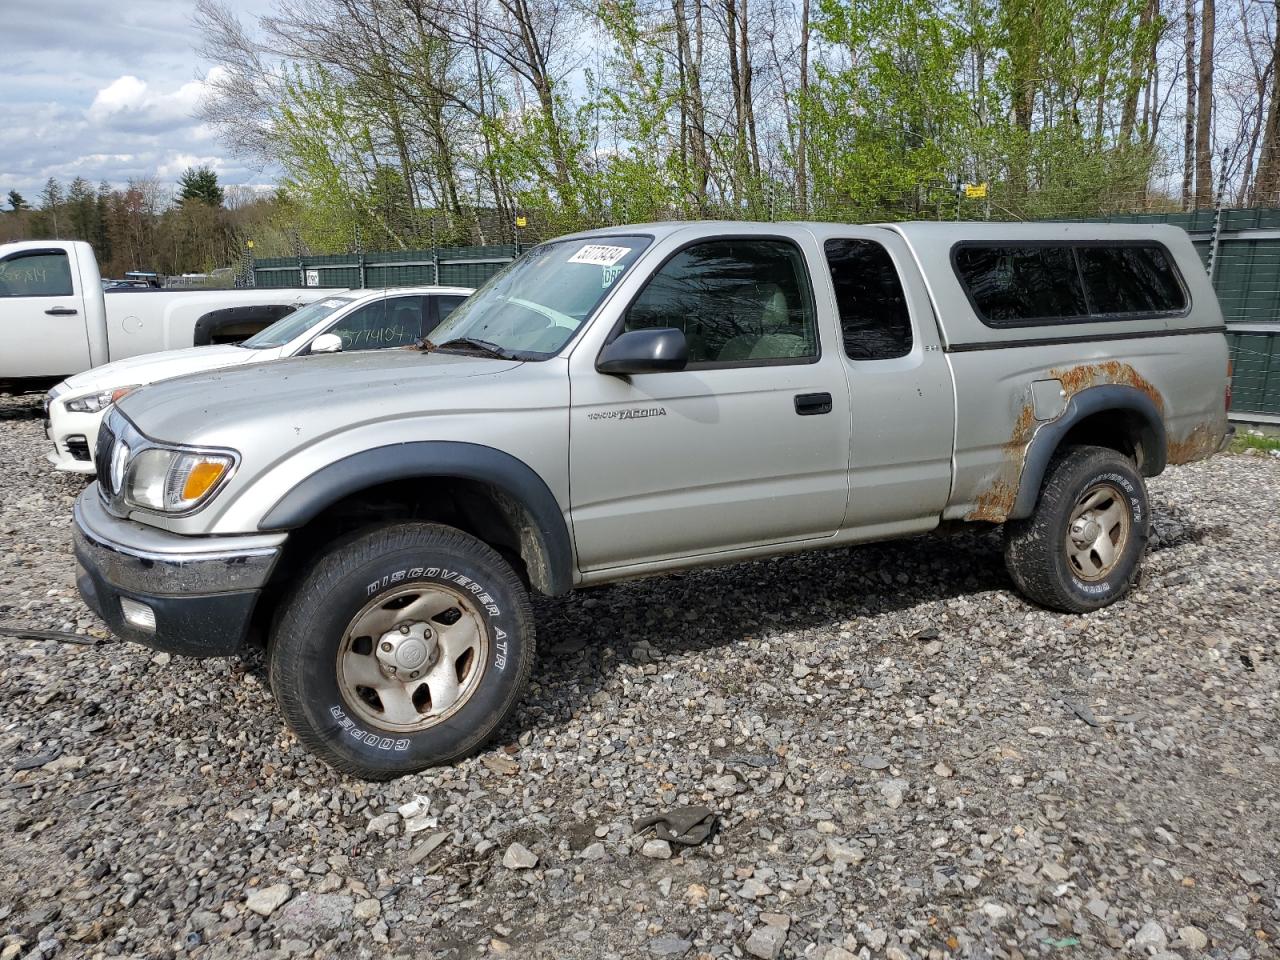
975 191
521 222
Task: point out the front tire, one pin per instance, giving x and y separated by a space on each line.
1080 549
403 647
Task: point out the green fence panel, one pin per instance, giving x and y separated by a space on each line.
453 266
412 274
468 274
1247 278
1255 382
276 273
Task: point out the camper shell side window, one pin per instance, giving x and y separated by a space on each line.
1043 283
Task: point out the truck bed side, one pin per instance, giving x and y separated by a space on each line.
1023 392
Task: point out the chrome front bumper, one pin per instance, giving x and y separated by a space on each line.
133 556
197 595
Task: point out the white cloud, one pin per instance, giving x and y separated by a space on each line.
175 163
106 93
131 104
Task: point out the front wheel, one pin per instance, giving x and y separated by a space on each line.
1080 549
404 647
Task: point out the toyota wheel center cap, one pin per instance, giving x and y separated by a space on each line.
411 654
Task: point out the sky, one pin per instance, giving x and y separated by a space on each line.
106 91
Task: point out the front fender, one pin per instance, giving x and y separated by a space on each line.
439 458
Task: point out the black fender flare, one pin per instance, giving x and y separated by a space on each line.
1111 397
213 321
545 529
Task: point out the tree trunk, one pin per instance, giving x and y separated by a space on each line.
1204 109
735 85
748 107
1266 184
1189 126
692 108
802 140
1138 62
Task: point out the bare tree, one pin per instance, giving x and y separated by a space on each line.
1204 108
1189 124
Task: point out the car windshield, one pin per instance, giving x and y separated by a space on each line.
535 305
295 324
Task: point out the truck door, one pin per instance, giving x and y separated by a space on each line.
41 314
902 413
748 445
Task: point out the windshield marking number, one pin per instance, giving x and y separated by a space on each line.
599 254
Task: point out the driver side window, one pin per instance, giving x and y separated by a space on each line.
738 302
389 322
36 273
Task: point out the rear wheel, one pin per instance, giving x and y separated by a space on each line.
1080 548
403 647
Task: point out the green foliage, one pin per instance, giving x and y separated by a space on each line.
1255 440
200 185
891 119
16 202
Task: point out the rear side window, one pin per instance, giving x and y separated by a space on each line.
40 273
1137 279
1016 286
1040 284
447 304
874 322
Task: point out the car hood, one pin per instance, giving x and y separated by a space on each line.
306 396
150 367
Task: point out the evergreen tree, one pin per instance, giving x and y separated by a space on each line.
17 203
200 184
51 220
82 210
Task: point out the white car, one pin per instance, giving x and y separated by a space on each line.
347 320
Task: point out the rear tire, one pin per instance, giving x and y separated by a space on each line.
403 647
1081 547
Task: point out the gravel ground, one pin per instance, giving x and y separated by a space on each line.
908 759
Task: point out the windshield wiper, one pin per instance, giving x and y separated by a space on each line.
485 347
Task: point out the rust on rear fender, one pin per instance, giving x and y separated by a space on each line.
1201 443
994 503
1085 375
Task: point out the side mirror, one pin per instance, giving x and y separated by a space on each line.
327 343
645 351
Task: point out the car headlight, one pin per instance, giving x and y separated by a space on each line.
96 402
174 481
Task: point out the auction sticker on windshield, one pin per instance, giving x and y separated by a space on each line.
600 254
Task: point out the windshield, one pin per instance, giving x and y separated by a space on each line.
535 305
295 324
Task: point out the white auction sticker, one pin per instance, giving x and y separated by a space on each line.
600 254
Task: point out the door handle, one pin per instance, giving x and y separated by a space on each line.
61 312
812 404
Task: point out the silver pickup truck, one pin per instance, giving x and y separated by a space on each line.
639 400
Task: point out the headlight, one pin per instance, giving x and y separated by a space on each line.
95 402
174 481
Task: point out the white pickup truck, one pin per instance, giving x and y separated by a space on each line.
56 320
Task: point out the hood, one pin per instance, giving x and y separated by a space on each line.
150 367
303 396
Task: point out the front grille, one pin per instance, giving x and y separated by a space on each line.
106 439
78 447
